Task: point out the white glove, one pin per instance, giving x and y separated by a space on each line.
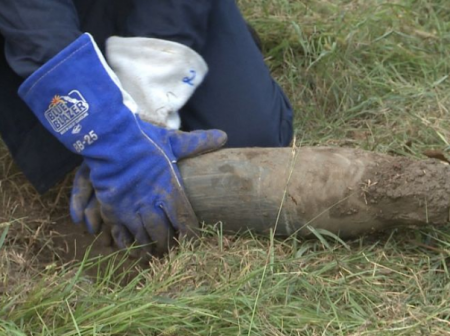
160 75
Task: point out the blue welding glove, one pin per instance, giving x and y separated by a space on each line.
133 170
158 91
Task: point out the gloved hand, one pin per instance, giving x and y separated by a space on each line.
78 98
84 205
158 92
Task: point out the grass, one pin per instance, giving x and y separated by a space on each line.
369 74
389 286
355 68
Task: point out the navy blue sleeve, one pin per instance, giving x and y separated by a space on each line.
35 31
182 21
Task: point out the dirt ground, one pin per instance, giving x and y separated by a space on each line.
40 232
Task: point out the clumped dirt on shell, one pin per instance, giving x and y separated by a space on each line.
409 191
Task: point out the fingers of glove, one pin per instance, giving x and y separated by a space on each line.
159 228
180 215
131 234
185 144
81 194
92 216
121 236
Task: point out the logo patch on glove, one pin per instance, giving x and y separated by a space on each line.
64 112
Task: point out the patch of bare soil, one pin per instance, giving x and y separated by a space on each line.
47 218
40 232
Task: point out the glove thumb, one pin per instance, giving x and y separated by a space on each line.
187 144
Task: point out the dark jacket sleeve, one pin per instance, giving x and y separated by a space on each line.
35 31
182 21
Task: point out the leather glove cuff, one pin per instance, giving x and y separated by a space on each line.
160 75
